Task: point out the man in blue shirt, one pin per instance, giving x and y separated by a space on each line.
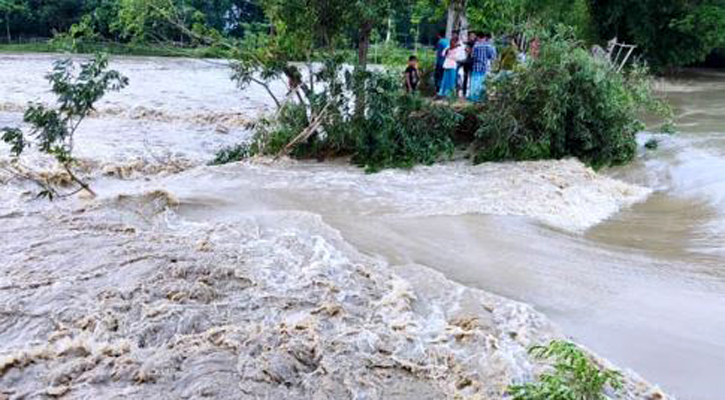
483 55
442 44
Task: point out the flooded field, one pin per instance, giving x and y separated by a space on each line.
308 280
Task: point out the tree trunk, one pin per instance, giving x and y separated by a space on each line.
457 20
7 25
389 34
366 30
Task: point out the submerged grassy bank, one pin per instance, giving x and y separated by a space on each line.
379 53
113 48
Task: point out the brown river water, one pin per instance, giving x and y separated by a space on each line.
248 280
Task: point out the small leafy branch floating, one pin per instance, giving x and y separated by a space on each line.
53 130
574 377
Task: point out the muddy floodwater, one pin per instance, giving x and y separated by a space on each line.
314 280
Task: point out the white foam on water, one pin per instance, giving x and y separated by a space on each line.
123 296
563 194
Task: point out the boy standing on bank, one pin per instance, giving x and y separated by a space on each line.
412 75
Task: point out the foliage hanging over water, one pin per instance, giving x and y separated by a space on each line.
574 377
53 130
400 130
395 131
566 103
333 111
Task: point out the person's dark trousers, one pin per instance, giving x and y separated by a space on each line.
466 79
439 77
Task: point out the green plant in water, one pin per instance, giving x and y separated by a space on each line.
669 128
230 154
574 376
652 144
53 130
565 103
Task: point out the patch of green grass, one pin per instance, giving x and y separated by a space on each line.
380 54
43 47
122 49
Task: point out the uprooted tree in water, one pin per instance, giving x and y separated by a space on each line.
53 130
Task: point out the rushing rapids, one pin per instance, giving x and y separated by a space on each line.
307 280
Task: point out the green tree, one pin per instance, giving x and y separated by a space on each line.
8 8
573 13
306 25
58 15
668 33
366 15
149 20
53 130
103 14
506 16
497 16
595 117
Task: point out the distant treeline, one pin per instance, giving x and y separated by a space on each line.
114 19
668 33
145 20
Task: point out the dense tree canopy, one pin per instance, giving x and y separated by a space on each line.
668 33
123 19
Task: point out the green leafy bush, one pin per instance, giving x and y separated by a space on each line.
401 131
566 103
230 154
574 376
427 70
396 130
53 130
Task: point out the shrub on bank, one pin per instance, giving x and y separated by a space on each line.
566 103
396 130
399 130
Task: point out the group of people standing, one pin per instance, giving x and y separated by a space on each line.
475 58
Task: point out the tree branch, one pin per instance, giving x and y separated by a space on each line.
82 184
268 89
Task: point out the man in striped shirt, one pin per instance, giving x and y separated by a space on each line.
483 55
